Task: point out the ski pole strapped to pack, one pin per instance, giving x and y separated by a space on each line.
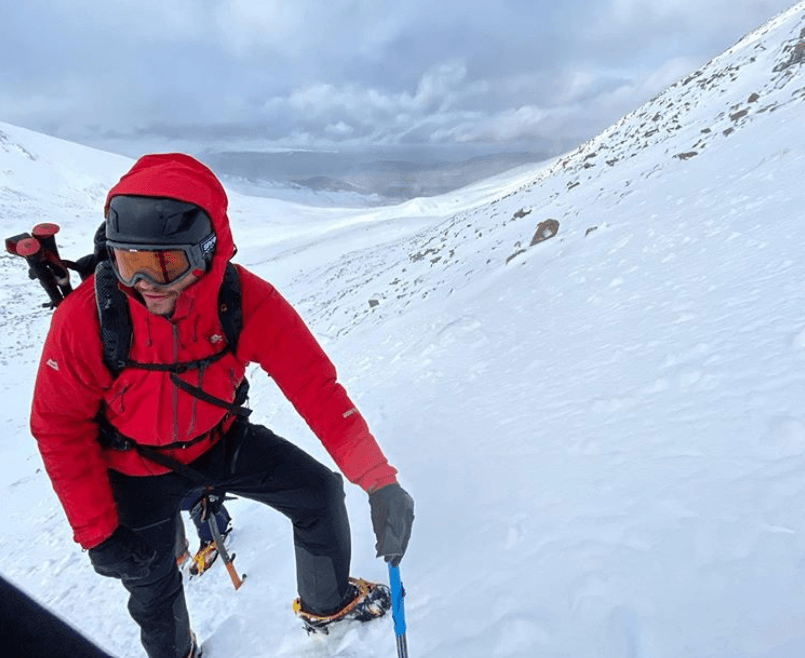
45 264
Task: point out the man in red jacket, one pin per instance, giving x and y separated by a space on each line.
169 244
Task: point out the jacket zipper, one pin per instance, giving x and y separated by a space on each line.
175 396
193 402
199 380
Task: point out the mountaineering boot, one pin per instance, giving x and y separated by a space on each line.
203 559
207 553
367 601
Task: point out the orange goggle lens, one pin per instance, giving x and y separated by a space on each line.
161 267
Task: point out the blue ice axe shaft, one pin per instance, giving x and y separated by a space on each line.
398 610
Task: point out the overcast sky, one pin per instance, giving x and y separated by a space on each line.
136 75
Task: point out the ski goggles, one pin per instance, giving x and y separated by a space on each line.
161 266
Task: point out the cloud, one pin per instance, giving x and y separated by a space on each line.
296 33
509 125
353 70
370 110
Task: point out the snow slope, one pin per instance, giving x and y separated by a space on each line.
604 432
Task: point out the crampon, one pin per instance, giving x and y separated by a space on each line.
370 601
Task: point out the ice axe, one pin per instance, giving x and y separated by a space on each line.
398 610
229 562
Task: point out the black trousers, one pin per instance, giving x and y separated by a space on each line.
252 462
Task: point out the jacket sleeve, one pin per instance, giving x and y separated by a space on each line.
67 396
277 338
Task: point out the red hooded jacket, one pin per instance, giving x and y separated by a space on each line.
73 384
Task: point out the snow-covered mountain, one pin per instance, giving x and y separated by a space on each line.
603 431
699 117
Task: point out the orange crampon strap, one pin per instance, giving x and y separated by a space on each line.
363 589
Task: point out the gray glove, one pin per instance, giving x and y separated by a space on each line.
392 518
123 555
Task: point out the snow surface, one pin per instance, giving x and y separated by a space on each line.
604 433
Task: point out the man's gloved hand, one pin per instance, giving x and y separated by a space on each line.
392 518
123 555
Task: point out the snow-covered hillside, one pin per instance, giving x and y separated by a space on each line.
701 117
604 431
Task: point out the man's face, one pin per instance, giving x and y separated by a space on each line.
161 301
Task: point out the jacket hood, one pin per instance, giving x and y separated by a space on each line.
182 177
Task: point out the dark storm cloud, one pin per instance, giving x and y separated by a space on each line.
356 71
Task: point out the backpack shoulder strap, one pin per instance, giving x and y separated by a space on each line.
230 313
113 315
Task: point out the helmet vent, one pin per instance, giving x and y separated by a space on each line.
156 221
180 222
